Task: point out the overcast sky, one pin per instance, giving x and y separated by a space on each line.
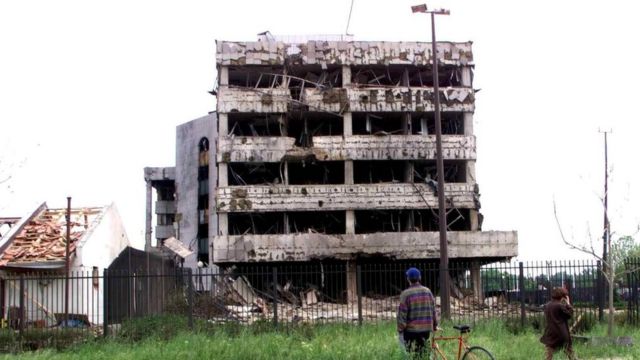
91 92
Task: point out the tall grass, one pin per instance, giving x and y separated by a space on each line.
146 340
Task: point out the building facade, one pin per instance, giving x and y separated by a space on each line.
325 150
183 196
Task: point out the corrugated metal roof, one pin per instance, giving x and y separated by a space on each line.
43 238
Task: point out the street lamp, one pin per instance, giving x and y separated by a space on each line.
445 306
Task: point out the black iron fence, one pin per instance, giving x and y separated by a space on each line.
303 293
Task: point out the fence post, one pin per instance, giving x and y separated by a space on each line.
105 302
523 314
359 287
599 291
190 296
629 265
274 272
22 309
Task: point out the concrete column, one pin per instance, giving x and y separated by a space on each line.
476 279
148 217
223 130
352 284
285 181
346 75
347 129
406 130
468 116
223 170
223 124
223 121
467 123
470 164
466 76
409 165
350 219
470 171
223 75
405 77
347 124
424 129
223 224
213 184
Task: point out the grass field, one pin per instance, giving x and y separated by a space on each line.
165 339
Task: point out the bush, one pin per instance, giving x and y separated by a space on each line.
34 339
535 323
162 327
584 324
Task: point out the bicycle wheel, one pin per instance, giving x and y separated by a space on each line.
477 353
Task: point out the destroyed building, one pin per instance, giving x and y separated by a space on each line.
37 242
325 150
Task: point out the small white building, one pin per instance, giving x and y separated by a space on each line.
34 250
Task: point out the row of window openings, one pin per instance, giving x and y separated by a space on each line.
310 76
334 222
303 127
333 172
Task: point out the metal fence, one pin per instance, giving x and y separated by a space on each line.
303 293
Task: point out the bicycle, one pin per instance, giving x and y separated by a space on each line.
470 352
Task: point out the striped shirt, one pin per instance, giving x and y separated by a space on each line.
417 310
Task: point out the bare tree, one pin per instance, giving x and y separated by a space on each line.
618 249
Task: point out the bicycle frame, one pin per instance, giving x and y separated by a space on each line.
462 345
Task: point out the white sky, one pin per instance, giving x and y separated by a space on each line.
91 92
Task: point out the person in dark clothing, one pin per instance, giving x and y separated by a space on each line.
557 313
416 315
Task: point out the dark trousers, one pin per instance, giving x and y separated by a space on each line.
416 342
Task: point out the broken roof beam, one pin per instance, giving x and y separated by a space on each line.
339 197
408 245
341 53
339 148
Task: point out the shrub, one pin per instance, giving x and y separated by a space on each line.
534 322
163 327
34 339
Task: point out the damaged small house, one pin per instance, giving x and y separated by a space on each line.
323 150
36 243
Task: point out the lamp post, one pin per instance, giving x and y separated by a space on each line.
445 305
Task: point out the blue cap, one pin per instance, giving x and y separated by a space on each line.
413 273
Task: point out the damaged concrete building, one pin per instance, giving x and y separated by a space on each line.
325 150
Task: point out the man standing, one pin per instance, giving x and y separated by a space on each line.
556 333
416 314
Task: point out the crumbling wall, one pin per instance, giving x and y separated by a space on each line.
338 148
340 197
406 245
273 100
397 99
341 53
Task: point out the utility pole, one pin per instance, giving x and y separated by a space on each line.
606 236
445 305
66 263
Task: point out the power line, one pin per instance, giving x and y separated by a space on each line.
346 31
